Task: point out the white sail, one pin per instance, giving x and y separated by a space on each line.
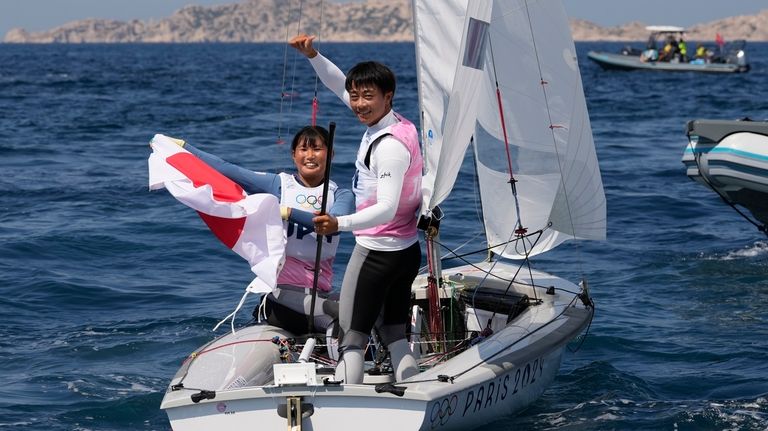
447 88
530 53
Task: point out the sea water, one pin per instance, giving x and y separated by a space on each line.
107 286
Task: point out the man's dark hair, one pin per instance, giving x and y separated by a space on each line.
371 73
310 134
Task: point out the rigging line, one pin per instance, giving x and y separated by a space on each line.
527 257
187 362
526 261
511 282
453 251
445 256
487 272
518 340
455 255
761 227
476 184
512 179
315 105
586 332
295 60
486 360
282 84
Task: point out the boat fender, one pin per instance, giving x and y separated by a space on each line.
392 389
203 395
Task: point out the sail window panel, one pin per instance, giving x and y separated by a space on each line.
523 103
475 44
527 160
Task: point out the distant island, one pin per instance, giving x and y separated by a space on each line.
371 21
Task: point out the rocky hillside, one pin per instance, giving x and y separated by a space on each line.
374 20
752 27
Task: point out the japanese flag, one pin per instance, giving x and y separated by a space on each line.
248 224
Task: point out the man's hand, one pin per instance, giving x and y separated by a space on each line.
303 43
326 224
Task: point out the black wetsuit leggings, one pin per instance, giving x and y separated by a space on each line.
377 285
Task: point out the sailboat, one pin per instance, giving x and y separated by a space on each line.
502 77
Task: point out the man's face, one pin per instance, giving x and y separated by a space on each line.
369 103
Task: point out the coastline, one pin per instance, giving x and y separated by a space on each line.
263 20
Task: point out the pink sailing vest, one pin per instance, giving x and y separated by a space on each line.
301 247
403 225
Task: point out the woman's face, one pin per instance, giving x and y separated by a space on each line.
369 103
310 157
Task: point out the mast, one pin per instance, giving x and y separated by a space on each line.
430 223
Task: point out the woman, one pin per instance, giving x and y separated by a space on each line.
300 198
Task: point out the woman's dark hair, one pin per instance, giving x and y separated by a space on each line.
371 73
310 134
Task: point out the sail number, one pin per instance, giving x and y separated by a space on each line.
486 395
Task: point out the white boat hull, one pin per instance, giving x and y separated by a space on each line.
496 377
355 408
731 157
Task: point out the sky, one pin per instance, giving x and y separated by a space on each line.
37 15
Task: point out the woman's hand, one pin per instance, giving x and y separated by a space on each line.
303 43
326 224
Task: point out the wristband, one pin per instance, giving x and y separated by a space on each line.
285 212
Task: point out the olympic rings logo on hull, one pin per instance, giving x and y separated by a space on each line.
443 410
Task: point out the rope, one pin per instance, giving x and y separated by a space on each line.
283 93
290 94
485 360
490 247
315 104
295 57
195 355
520 229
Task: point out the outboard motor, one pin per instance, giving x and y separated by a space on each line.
629 50
734 54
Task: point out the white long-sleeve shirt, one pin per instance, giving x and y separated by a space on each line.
389 155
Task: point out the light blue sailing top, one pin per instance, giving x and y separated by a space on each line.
262 182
